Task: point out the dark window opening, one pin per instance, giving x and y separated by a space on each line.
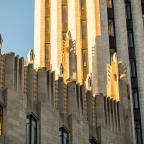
84 56
31 127
133 68
138 132
135 99
128 11
142 5
93 141
130 39
63 136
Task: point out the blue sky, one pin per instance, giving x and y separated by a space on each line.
17 25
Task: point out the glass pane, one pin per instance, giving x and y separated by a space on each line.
138 132
128 12
33 123
33 132
65 138
28 131
135 99
32 135
133 68
130 39
60 139
31 127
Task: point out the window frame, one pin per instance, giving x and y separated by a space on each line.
136 122
128 32
131 66
128 4
63 131
134 102
31 118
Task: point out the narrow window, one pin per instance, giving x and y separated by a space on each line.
47 51
84 57
31 127
83 29
135 99
64 13
47 24
128 11
82 4
138 132
130 39
111 27
63 136
133 68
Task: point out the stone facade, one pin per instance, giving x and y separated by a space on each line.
55 104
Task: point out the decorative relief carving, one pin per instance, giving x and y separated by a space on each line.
69 57
116 71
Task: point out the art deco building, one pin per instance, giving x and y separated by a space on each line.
81 37
83 83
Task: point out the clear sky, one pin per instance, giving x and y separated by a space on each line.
17 25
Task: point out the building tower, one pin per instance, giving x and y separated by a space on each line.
82 36
80 20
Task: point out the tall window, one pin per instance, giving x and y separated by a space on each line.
111 27
64 136
84 53
47 24
64 13
47 51
128 11
133 68
31 127
138 132
1 120
130 39
84 29
82 4
93 141
135 99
